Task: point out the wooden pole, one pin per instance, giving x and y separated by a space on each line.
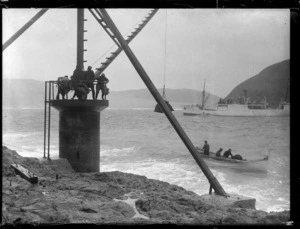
214 182
210 189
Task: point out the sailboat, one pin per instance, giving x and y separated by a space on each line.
198 109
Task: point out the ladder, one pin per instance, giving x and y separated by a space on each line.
99 17
49 96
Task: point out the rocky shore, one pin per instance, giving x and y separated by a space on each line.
110 198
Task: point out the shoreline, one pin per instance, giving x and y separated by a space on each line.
20 152
111 198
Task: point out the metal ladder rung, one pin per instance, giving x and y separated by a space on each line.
128 39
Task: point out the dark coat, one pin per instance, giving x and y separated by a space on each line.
237 157
227 153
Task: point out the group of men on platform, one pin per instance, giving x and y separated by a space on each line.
82 82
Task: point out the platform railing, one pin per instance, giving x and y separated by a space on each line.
51 94
53 86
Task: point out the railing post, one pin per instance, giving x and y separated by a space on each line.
49 116
52 90
45 119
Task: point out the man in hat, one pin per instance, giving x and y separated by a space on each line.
101 85
90 77
227 153
218 153
206 148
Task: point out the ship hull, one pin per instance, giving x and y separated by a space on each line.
196 110
238 110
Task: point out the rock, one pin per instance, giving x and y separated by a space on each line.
120 210
88 210
233 201
114 198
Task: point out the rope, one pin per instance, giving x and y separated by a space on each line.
165 54
114 44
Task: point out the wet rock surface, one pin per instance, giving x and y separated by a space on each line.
110 198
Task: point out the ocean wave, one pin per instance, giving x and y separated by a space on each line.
111 151
142 141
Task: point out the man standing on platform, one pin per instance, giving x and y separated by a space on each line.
101 85
90 77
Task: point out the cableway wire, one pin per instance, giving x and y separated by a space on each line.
165 55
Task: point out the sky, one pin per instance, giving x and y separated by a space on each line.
179 47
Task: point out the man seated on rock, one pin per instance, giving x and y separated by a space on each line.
227 153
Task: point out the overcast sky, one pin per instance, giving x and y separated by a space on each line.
223 46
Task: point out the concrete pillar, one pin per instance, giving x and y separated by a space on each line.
79 139
79 132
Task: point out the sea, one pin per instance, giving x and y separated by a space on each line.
143 142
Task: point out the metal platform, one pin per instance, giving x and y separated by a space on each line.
79 105
79 129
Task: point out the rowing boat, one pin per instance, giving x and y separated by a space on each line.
212 155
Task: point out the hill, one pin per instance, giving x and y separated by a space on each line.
272 82
23 93
27 93
142 98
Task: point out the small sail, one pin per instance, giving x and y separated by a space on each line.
158 108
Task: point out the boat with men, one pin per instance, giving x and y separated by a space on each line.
213 156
